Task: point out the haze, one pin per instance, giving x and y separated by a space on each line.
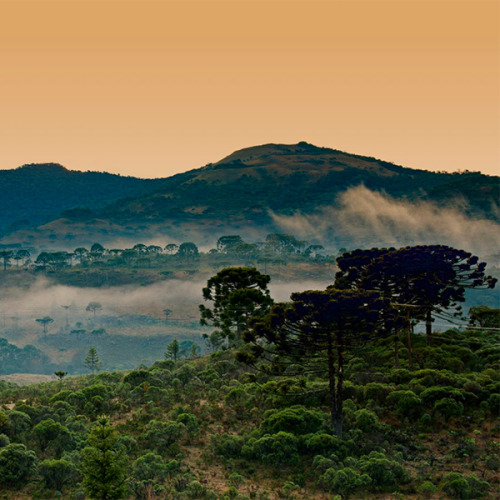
154 88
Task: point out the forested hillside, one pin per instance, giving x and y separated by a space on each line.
242 188
34 194
300 177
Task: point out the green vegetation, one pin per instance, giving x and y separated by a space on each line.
310 405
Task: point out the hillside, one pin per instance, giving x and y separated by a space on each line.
302 177
34 194
244 191
213 428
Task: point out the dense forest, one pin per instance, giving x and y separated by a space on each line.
330 394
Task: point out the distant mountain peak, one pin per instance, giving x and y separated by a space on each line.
43 167
251 153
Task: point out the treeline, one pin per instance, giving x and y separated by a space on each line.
275 248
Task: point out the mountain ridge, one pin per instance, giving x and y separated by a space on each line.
240 189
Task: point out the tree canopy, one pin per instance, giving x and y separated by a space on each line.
237 294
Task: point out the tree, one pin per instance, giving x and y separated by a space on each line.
80 253
94 307
172 350
317 330
167 313
187 250
22 255
17 463
237 293
171 248
66 308
284 244
103 464
45 321
6 255
433 277
60 374
225 244
57 473
484 317
92 361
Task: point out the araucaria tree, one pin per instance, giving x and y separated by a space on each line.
103 464
93 307
45 321
317 330
237 294
92 360
432 277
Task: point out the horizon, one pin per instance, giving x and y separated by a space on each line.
154 88
70 169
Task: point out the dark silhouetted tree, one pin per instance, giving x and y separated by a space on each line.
237 294
93 307
45 321
317 330
433 277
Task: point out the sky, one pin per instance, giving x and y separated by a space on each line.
153 88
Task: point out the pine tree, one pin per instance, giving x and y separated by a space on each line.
103 464
92 360
172 350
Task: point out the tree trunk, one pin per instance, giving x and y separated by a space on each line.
340 384
396 349
428 327
331 378
410 341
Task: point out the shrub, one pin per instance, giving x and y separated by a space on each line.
295 420
150 467
406 403
17 463
448 407
227 445
426 489
323 444
57 473
366 421
382 471
343 481
278 449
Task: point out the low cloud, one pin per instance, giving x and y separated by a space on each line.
365 218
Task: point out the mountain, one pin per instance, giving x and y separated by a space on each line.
302 177
37 193
241 190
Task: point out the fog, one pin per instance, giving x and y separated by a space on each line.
365 218
182 297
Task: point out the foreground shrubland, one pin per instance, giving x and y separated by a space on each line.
211 427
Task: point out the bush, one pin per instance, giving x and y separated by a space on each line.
343 481
457 485
17 463
150 467
382 471
227 445
426 489
448 407
57 473
366 421
295 420
323 444
278 449
406 403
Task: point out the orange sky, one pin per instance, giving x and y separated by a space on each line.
151 88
